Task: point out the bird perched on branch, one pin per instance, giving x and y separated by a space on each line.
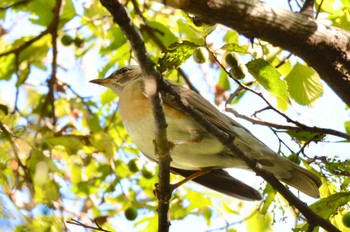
194 148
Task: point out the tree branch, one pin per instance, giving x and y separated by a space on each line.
50 97
152 80
301 127
325 48
151 32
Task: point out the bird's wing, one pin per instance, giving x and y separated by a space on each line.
219 180
282 168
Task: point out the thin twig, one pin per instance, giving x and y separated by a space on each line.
308 8
78 223
26 44
319 9
301 127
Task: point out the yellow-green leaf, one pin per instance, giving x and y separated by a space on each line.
304 84
270 78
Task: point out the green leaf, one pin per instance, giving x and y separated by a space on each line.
305 136
70 142
231 37
327 6
341 18
36 157
163 33
42 10
270 78
7 66
176 55
304 84
328 206
259 222
234 47
200 26
116 38
347 127
223 80
47 192
103 142
108 97
68 12
189 34
271 193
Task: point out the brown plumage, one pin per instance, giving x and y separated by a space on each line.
195 148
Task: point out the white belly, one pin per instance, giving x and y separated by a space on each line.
188 153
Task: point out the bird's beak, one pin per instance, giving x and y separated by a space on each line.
102 82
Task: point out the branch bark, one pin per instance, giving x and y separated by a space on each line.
323 47
152 79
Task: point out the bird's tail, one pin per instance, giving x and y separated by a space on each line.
303 180
219 180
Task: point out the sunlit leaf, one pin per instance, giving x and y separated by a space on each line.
71 143
269 77
304 85
223 81
8 66
259 222
234 47
271 193
68 12
189 33
325 207
231 36
176 55
200 25
41 13
107 97
347 127
104 143
305 136
162 32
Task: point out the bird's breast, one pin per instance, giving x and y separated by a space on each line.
194 148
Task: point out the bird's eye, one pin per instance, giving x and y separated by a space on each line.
123 70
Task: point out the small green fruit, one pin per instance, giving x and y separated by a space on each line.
134 165
231 59
294 158
237 72
131 213
146 173
346 219
67 40
200 55
79 41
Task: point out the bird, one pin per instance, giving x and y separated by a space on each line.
194 148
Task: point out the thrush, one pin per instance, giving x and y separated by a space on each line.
194 148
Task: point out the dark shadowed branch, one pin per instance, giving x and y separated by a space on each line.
295 32
152 77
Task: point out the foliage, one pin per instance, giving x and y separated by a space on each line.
64 153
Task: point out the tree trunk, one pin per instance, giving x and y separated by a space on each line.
325 48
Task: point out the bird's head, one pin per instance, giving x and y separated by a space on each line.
120 78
